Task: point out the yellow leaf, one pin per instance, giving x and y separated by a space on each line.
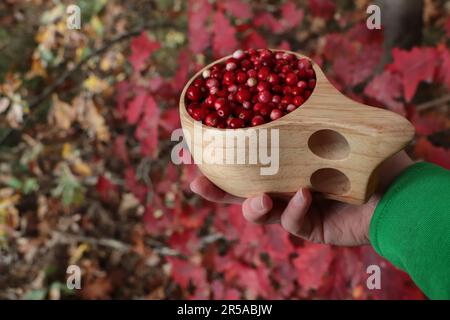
78 253
91 119
61 114
81 168
66 151
95 84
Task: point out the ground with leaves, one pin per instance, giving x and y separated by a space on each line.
85 123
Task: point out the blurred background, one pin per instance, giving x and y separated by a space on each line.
85 123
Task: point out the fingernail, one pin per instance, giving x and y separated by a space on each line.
257 204
298 198
193 187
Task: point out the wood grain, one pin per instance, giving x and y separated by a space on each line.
330 144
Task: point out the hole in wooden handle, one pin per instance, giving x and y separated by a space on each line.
330 180
329 144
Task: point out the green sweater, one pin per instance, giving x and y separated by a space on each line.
411 227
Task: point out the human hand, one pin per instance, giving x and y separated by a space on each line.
308 217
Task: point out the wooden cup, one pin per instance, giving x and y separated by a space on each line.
330 144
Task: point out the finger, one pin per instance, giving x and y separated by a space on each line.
206 189
256 209
295 218
271 212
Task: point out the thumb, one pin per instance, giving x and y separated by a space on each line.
295 219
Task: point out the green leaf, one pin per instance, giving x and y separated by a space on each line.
14 183
38 294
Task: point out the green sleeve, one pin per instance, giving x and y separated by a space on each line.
411 227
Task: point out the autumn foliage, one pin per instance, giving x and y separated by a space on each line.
95 153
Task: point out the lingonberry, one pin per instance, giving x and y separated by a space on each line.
241 77
212 119
193 93
298 100
263 73
243 95
291 79
236 123
258 120
250 88
224 111
276 114
219 103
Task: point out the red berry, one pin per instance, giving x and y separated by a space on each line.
210 100
298 100
245 115
212 83
257 107
258 120
286 100
236 123
287 90
290 108
219 103
276 114
312 83
263 73
264 96
291 79
276 99
224 111
190 108
199 114
243 95
310 73
228 78
262 86
241 77
302 85
272 78
193 93
199 83
252 73
212 120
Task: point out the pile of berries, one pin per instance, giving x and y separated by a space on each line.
250 88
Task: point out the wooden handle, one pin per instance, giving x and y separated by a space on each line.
330 144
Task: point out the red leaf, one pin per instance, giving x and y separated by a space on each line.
131 183
106 189
254 40
427 151
135 106
199 35
147 130
170 119
284 45
291 16
387 89
123 93
415 66
312 264
120 148
356 68
238 9
184 272
443 72
141 49
322 8
181 76
268 21
447 27
224 40
360 33
429 123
